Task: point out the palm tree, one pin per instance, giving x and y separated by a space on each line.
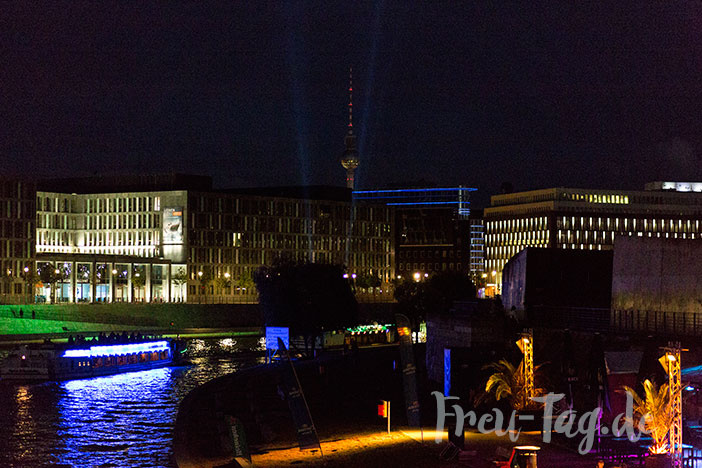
657 413
508 382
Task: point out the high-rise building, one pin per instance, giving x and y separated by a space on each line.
570 218
350 160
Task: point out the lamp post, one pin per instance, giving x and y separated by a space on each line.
202 288
26 280
226 277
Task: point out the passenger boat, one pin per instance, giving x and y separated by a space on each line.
51 361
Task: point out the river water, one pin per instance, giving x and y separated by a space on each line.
123 420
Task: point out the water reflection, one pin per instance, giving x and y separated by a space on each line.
118 420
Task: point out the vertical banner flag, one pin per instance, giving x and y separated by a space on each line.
306 432
409 370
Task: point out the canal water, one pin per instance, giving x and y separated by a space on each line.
123 420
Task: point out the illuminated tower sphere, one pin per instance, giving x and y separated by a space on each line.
350 159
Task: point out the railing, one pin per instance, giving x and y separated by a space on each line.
574 318
666 323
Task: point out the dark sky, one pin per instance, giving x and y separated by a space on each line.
596 95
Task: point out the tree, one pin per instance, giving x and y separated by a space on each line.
138 279
657 413
180 278
204 277
446 287
6 282
51 276
31 278
221 283
246 280
412 297
307 297
508 382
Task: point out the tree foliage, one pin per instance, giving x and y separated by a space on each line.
508 382
307 297
417 299
221 283
655 408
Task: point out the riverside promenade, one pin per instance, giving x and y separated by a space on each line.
342 393
36 322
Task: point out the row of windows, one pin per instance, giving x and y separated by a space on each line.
95 204
414 267
520 224
413 254
628 224
16 209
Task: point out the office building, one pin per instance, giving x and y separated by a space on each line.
16 238
175 239
435 229
569 218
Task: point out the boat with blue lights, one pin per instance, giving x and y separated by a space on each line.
52 361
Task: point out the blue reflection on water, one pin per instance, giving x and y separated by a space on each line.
98 423
123 420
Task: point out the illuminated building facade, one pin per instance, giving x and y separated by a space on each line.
435 229
569 218
200 245
16 237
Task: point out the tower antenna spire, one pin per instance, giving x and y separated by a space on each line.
350 99
350 160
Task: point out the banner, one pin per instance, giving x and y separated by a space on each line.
172 225
409 370
238 438
306 432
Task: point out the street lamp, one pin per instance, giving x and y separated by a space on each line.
227 275
417 276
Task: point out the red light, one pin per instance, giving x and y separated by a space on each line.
383 410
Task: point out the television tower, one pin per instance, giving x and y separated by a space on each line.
350 159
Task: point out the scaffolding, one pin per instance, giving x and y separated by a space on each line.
671 362
526 345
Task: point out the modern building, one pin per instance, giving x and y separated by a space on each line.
17 236
435 229
174 238
570 218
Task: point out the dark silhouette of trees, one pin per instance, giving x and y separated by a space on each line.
307 297
417 299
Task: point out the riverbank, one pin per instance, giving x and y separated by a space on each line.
342 392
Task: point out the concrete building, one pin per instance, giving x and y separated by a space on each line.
657 286
569 218
435 229
559 288
175 239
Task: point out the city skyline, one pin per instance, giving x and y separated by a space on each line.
597 97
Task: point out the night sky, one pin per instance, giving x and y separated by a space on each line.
603 96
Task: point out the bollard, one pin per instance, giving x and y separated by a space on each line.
524 456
